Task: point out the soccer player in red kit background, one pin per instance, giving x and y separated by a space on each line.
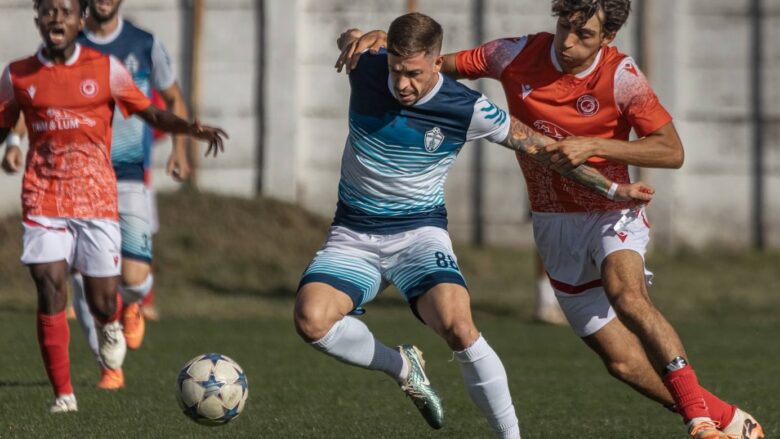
68 94
573 86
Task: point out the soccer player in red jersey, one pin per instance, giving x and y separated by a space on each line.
573 86
68 94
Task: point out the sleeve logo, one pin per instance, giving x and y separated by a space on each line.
433 139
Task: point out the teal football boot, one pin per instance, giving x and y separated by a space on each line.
419 389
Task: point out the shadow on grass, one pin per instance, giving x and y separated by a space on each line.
17 383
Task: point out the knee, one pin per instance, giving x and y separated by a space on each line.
104 307
135 276
622 369
631 304
51 287
312 323
459 333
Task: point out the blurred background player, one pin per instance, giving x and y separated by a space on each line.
145 58
573 83
68 94
407 125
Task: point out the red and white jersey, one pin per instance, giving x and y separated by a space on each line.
68 110
607 100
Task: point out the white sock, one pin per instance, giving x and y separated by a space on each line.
136 293
84 316
488 387
545 295
350 341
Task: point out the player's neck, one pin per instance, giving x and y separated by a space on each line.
103 29
59 56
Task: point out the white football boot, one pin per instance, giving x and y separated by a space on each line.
112 345
64 404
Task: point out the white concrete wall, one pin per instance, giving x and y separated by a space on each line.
697 62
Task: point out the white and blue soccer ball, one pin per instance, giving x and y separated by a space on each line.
212 389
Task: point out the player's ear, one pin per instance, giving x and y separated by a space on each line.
438 63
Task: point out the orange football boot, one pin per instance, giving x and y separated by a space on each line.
133 325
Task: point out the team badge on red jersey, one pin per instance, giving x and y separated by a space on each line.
587 105
89 88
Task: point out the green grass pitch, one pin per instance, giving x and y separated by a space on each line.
231 292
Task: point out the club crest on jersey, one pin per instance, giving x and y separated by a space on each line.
89 88
131 64
587 105
433 139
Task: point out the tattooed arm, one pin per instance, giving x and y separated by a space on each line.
524 139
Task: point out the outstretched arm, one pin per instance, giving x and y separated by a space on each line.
524 139
170 123
178 165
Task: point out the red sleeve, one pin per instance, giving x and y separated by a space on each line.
126 94
490 59
637 101
9 109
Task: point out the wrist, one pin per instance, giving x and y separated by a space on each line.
13 139
613 191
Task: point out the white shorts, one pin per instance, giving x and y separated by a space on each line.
136 219
92 246
361 265
573 247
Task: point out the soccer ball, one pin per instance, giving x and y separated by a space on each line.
212 389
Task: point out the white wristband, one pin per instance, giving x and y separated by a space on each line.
13 139
612 190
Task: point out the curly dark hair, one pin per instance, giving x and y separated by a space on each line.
615 12
83 4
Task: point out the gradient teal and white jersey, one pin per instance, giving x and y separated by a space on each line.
396 158
146 60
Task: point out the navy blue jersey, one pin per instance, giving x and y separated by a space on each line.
397 157
146 60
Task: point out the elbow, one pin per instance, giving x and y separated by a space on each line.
679 158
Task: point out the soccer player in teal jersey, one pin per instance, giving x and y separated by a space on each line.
407 124
147 61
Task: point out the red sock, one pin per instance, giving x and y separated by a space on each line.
720 411
149 298
117 313
687 393
53 339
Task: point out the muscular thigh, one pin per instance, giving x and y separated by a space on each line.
574 248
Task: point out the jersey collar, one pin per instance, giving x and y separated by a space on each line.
108 39
582 74
69 62
425 98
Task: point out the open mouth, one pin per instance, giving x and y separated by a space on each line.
57 35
